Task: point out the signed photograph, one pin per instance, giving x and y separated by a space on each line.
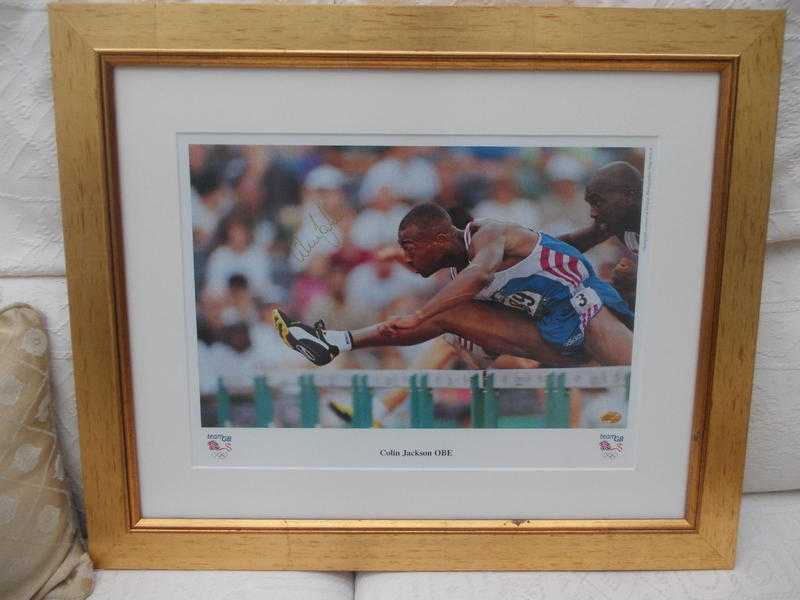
415 287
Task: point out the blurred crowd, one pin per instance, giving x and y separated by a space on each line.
310 229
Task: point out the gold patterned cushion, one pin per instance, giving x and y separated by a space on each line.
41 554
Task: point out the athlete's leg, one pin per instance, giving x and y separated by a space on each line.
607 340
374 336
496 329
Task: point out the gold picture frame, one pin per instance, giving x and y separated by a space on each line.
89 41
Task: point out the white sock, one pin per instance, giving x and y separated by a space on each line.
341 339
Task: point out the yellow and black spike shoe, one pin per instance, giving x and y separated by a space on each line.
308 341
345 413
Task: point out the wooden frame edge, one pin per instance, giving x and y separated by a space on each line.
711 527
748 189
108 61
413 551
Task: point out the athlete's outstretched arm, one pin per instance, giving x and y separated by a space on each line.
495 328
584 239
489 246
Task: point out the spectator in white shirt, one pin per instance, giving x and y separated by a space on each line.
563 206
506 205
373 285
377 224
232 358
240 305
212 200
238 254
406 172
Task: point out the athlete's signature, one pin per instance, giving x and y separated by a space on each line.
324 229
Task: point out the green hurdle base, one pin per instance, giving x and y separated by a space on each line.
557 411
484 408
309 402
362 403
484 411
223 405
421 401
262 396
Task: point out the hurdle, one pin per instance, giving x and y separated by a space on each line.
223 404
476 405
362 386
262 396
562 410
557 411
309 401
556 384
362 402
421 401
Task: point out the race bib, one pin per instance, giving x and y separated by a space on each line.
586 301
525 301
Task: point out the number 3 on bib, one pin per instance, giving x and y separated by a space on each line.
586 301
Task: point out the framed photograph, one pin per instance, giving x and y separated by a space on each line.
363 288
